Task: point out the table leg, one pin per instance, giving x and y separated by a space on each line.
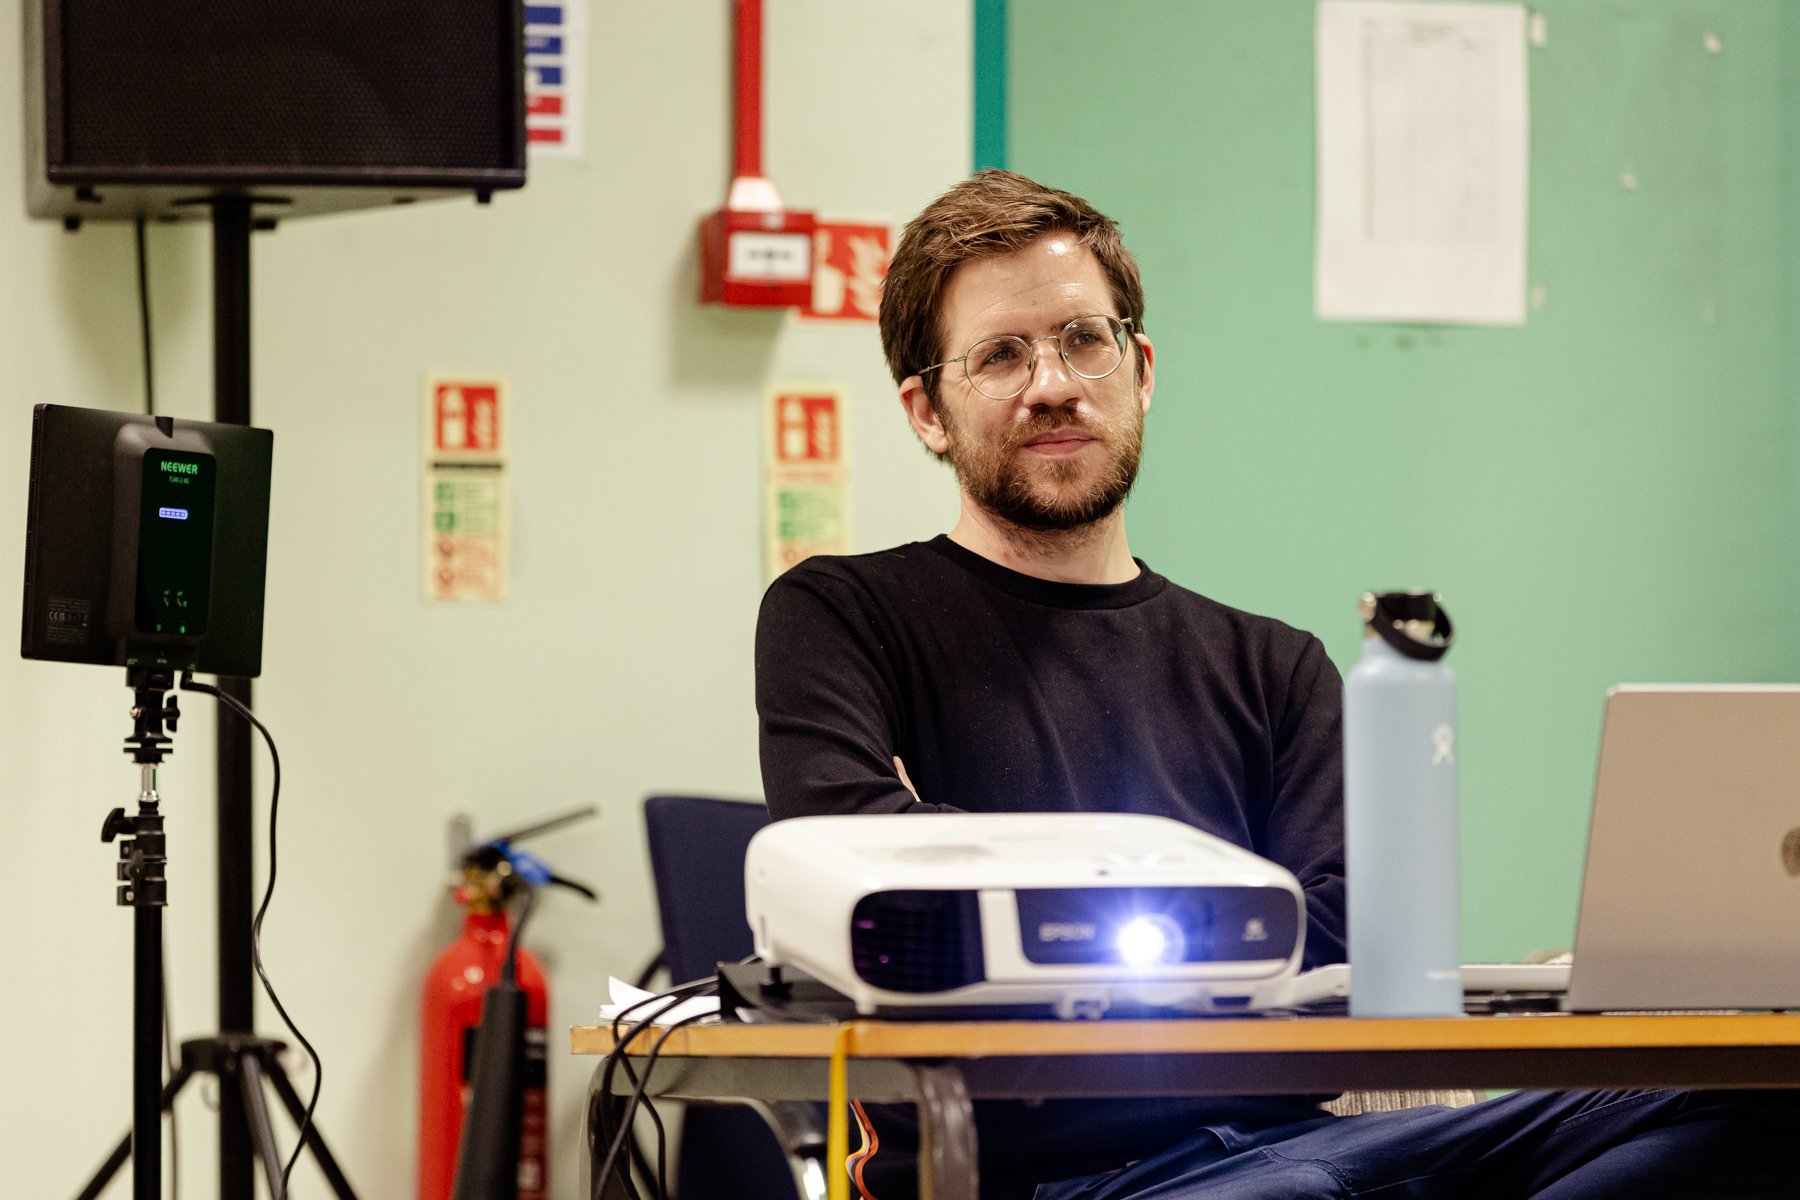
800 1128
947 1164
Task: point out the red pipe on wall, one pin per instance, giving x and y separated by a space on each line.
749 88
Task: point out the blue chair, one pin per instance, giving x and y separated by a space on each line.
730 1152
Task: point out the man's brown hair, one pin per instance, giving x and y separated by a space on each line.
991 212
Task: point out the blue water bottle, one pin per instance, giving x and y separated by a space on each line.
1400 812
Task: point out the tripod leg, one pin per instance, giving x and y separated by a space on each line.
315 1141
107 1170
256 1111
122 1151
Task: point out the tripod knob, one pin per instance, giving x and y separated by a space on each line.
115 824
172 712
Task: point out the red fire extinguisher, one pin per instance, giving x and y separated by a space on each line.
450 1012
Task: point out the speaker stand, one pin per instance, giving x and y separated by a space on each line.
231 226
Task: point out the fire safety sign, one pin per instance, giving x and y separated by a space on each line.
850 260
465 528
807 476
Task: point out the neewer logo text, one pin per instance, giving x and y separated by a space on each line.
181 468
1066 931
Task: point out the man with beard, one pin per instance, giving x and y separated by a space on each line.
1027 662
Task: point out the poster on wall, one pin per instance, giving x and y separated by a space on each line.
555 77
1422 149
806 485
465 527
850 260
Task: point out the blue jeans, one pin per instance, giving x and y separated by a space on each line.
1541 1145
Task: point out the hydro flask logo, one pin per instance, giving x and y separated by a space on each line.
1790 852
1443 742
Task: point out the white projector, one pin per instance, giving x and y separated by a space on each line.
1074 912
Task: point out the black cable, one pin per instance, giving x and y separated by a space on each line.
609 1114
643 1086
509 968
237 706
655 1175
639 1158
662 1154
143 282
609 1125
659 1182
657 962
615 1057
618 1127
618 1130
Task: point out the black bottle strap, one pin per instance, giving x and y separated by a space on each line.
1389 615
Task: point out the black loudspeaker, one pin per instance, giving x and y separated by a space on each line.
152 107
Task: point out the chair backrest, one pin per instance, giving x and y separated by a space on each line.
697 846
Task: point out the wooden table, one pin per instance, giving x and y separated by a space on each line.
942 1066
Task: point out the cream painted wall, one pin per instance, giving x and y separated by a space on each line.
620 666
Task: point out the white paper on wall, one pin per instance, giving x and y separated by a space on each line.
1422 151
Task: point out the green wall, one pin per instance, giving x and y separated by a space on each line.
1606 494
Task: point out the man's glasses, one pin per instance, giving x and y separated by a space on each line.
1000 368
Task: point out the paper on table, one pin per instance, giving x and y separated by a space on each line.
624 996
1421 162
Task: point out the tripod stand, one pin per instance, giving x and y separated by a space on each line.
240 1062
244 1063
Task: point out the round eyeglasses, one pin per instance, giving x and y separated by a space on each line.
1000 368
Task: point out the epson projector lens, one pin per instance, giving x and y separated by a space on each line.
923 941
1145 927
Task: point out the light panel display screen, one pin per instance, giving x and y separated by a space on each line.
175 536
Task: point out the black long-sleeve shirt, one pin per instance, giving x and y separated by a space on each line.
1001 692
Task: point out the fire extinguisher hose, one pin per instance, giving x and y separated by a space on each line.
509 970
487 1162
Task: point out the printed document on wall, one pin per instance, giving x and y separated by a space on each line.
1422 125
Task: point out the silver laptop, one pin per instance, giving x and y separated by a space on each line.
1691 894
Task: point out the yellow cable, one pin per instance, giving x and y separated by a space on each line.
837 1118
